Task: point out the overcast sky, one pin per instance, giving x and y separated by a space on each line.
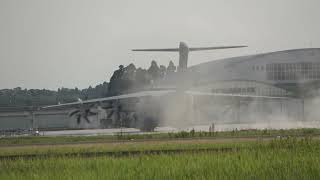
77 43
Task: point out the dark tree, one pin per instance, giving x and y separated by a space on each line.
163 70
171 68
115 84
130 72
141 77
122 80
154 70
117 74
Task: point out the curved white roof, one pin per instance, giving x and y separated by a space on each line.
265 57
240 67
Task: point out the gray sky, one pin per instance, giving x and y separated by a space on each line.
77 43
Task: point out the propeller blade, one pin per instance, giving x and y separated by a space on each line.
78 119
118 116
74 112
90 113
107 107
110 114
87 119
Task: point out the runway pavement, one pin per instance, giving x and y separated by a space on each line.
217 127
90 132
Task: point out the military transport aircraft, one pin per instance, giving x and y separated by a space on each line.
144 109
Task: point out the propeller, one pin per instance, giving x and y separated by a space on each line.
83 112
113 111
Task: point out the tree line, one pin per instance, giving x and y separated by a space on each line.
130 78
123 80
39 97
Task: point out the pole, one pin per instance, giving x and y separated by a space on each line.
238 110
33 119
303 110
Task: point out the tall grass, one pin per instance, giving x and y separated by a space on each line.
155 135
282 158
123 146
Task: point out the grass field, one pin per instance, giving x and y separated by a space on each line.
253 158
163 136
126 146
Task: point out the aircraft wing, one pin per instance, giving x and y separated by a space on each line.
234 95
125 96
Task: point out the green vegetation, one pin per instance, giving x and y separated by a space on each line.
280 158
124 146
38 97
181 135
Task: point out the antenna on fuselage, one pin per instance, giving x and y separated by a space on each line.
184 52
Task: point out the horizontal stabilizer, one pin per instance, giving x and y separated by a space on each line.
184 51
196 93
212 48
164 50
